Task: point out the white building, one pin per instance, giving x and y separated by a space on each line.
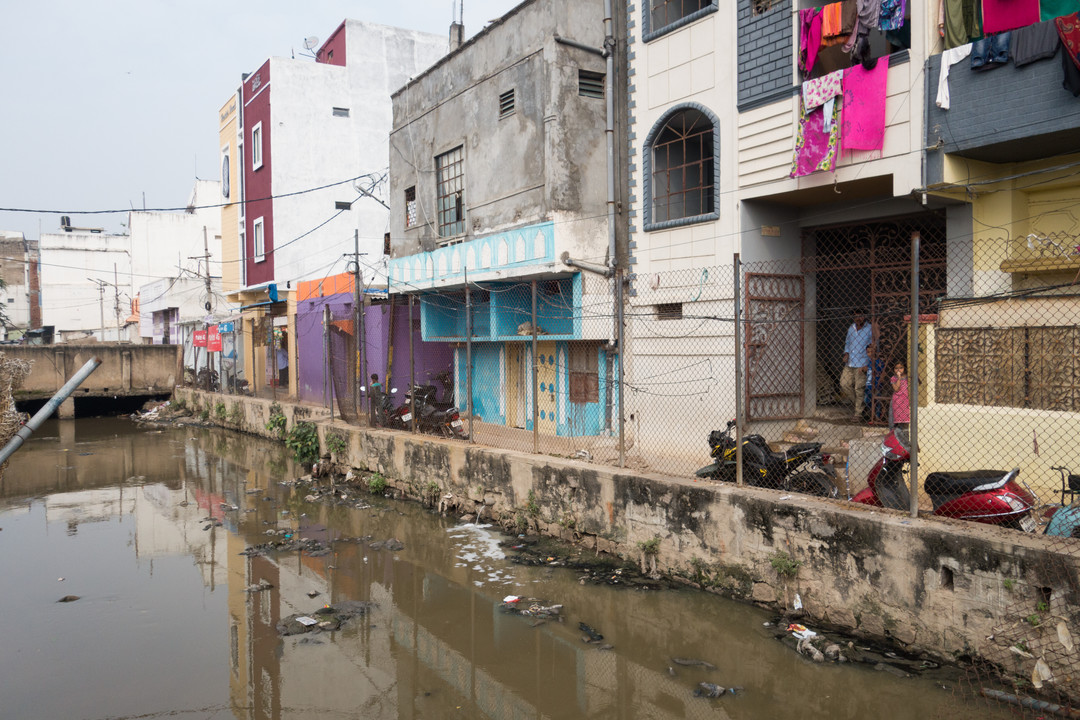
86 284
18 297
90 279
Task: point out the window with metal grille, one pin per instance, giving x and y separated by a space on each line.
682 167
450 188
665 12
590 84
506 104
386 244
584 376
410 206
669 311
341 112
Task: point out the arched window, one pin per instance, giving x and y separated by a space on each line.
681 164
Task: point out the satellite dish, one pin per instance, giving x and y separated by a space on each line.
310 43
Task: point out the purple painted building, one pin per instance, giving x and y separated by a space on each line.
383 339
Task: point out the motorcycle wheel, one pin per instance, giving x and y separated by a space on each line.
814 482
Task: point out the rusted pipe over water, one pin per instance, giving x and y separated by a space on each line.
49 408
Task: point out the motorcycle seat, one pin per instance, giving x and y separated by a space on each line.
803 448
958 483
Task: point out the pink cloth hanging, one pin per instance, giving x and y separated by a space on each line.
809 38
1002 15
862 126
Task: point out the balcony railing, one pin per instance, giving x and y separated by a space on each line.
1056 252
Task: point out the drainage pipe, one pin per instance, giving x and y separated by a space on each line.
49 408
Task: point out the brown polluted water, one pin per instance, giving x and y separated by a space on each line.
176 617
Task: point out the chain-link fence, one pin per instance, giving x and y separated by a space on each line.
1003 391
681 376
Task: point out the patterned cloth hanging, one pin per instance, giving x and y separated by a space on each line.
816 147
892 14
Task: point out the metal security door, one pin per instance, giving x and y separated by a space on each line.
774 346
547 377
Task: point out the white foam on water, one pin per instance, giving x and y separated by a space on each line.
477 548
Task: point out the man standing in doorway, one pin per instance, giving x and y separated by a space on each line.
853 378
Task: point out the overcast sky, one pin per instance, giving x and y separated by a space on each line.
102 103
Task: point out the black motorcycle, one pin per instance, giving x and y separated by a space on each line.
801 468
437 417
384 414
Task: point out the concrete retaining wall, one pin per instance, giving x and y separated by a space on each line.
948 587
125 369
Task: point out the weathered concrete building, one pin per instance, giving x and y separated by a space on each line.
86 284
498 171
20 296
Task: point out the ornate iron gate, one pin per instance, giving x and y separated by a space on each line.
774 346
869 264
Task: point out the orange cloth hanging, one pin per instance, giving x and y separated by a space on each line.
832 19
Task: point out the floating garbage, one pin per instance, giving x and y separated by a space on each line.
712 690
591 636
326 619
690 662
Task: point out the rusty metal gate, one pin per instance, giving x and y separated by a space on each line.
869 265
774 346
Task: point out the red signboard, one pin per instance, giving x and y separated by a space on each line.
200 338
213 339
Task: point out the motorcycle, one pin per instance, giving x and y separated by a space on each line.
801 468
385 414
987 496
1064 520
436 417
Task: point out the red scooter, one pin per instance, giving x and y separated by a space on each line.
986 496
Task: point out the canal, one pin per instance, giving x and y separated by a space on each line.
175 617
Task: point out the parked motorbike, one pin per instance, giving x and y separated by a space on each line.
801 468
987 496
433 416
1064 520
385 414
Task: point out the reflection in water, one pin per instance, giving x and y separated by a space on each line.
148 528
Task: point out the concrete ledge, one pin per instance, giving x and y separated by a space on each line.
948 587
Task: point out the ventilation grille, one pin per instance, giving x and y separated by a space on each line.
591 84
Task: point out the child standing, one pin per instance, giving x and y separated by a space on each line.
901 406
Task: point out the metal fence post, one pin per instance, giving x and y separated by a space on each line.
328 368
358 326
535 378
619 280
271 342
468 356
913 375
739 390
325 355
412 368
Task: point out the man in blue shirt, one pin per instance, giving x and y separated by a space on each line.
853 378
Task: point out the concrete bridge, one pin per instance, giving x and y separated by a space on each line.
128 376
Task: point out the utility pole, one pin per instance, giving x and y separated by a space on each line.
101 302
206 256
116 287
